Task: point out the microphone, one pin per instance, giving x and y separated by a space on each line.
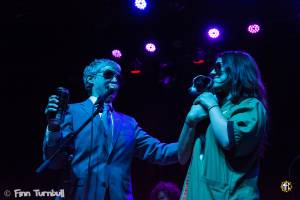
200 84
63 97
110 89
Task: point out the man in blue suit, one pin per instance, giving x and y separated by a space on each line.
101 160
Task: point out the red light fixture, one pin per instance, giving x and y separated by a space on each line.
136 71
198 62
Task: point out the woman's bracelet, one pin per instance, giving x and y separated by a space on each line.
212 107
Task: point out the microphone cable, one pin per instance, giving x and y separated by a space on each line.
90 157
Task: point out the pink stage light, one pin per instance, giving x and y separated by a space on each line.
116 53
253 28
150 47
213 33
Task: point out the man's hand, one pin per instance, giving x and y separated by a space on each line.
50 111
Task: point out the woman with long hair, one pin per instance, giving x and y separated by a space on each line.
225 131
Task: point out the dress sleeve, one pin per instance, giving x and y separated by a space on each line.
246 126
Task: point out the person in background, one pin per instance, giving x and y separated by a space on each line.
165 191
225 132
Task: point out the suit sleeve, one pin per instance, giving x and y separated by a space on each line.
151 149
52 142
246 127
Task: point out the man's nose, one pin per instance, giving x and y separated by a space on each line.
114 79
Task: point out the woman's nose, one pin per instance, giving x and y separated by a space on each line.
213 72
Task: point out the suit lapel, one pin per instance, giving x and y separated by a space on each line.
100 137
87 106
117 126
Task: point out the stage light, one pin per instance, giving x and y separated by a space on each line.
213 33
150 47
135 67
140 4
198 62
198 57
167 73
167 81
253 28
135 71
116 53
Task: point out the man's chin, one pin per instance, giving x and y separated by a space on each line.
111 98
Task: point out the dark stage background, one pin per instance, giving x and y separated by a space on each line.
45 44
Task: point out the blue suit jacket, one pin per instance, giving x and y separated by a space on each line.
110 171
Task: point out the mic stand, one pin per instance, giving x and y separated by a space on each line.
69 138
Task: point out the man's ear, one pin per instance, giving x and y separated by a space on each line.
90 79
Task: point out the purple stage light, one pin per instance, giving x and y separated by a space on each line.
116 53
150 47
213 33
253 28
140 4
166 81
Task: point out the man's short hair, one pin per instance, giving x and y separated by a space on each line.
95 67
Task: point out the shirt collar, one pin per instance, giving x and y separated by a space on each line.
94 99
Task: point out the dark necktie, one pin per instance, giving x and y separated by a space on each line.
107 122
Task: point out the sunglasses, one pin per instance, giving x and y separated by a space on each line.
109 74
